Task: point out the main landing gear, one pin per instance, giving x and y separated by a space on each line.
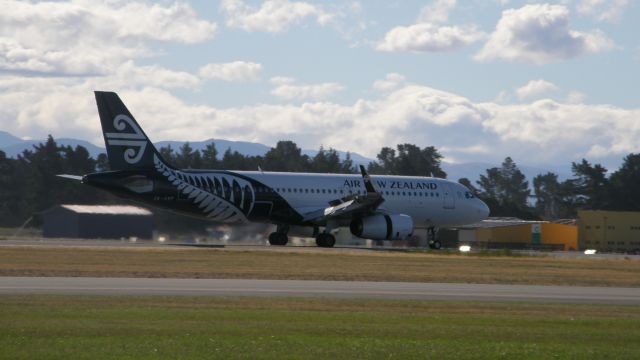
325 240
434 243
279 237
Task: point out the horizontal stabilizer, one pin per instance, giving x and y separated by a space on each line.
72 177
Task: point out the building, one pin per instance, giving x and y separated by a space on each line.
513 233
609 231
97 222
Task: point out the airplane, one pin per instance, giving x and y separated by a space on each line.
377 207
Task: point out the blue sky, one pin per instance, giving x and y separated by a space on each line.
544 82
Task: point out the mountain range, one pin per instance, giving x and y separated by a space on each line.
13 146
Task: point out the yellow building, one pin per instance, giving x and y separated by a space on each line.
611 231
511 233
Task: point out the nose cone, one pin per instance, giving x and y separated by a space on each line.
482 210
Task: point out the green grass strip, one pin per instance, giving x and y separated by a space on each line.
67 327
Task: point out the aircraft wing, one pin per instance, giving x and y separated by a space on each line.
351 205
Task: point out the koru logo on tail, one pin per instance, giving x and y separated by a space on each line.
134 141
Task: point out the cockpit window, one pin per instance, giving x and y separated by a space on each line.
468 195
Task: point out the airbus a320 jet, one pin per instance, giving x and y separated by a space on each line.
373 207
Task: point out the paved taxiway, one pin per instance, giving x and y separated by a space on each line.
327 289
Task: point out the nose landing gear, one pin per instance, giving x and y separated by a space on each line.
432 239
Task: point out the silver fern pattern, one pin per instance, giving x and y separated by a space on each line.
220 197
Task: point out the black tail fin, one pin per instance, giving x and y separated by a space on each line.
127 145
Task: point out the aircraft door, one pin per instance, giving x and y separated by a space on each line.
448 195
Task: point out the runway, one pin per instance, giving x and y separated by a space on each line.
239 245
321 289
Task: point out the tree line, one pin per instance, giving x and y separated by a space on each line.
28 184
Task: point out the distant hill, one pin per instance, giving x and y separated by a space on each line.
251 149
472 171
15 149
7 139
13 146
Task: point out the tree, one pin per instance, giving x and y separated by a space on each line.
466 182
326 161
102 163
590 187
410 160
168 154
554 199
210 157
187 158
41 165
625 185
506 190
347 166
286 156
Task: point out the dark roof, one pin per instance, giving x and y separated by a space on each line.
496 222
107 209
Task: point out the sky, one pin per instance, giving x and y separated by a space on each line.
546 83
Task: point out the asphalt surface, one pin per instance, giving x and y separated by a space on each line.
322 289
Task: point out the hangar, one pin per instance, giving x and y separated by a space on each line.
514 233
609 231
97 222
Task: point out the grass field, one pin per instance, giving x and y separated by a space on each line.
58 327
323 265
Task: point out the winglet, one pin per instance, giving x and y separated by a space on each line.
368 184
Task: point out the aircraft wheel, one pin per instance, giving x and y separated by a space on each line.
278 239
325 240
436 245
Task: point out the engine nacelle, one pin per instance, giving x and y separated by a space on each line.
383 227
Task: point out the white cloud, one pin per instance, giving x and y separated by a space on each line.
273 16
287 89
391 82
576 97
82 37
233 71
437 12
155 76
542 132
540 34
426 37
429 34
535 88
603 10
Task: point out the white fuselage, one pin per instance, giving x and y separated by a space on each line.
429 201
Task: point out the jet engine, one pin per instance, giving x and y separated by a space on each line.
383 227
